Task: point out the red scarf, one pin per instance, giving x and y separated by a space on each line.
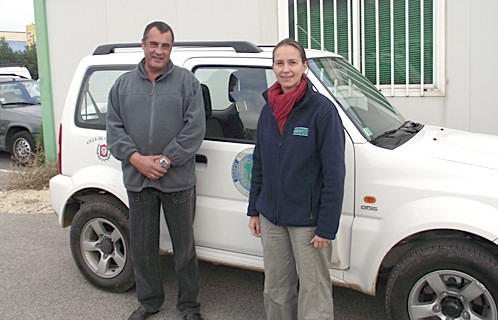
282 103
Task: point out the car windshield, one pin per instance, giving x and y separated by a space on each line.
363 103
19 92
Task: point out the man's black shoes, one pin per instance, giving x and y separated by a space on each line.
192 316
141 313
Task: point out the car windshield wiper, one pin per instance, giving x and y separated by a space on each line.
408 127
24 103
390 139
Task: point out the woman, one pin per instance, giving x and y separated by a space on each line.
297 188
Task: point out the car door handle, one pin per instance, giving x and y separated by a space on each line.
201 158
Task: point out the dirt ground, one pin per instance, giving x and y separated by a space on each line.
25 201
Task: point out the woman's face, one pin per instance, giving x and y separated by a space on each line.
288 67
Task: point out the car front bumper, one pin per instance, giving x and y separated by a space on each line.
61 189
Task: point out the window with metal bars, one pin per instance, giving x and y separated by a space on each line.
394 43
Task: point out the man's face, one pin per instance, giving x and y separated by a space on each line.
157 49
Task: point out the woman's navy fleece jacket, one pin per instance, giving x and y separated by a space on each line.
298 178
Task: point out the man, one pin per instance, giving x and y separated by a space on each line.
155 125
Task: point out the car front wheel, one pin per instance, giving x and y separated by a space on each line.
100 244
445 279
22 147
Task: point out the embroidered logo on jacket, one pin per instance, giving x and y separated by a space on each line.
301 131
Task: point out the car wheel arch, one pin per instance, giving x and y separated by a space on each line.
74 203
12 130
405 245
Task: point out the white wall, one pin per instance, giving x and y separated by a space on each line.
76 28
471 101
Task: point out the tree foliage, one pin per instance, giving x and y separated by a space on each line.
26 58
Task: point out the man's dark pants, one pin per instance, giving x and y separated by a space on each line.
179 209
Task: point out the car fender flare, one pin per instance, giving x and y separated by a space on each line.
96 177
102 177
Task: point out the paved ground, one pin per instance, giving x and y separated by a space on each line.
39 280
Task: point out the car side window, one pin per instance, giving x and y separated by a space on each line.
91 111
233 100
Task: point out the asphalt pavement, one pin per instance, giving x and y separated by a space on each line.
39 280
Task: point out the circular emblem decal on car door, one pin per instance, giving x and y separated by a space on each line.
241 171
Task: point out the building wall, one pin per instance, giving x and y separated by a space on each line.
13 36
471 72
15 40
76 28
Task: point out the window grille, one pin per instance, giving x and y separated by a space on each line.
396 44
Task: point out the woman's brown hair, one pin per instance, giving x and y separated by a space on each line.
295 44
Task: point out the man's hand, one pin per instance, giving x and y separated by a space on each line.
255 226
148 165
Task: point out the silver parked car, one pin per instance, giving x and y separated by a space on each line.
20 116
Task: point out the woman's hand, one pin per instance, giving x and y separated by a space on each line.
319 242
255 226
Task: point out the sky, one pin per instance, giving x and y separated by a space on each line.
16 14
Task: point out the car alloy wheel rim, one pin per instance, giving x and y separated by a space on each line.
103 248
450 294
22 149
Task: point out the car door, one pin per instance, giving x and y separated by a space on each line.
224 161
232 91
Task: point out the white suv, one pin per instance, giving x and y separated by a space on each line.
420 206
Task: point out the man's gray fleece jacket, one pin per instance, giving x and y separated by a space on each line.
161 117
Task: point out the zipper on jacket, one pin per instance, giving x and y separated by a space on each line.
276 200
279 176
311 202
151 126
276 182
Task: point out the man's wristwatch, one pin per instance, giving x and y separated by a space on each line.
164 163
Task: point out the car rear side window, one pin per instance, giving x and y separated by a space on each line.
93 97
233 100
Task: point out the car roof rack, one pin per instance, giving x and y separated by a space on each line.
12 75
238 46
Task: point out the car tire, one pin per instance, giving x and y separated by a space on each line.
429 282
22 146
100 244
